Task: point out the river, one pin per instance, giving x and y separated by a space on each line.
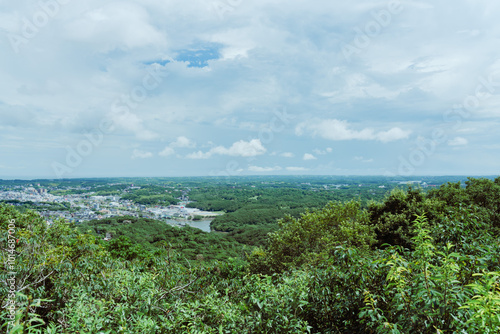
203 225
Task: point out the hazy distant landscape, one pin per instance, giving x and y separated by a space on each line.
263 166
294 254
182 200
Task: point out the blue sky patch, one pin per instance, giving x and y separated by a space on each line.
199 57
161 62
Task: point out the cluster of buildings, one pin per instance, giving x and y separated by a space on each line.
85 207
178 212
28 194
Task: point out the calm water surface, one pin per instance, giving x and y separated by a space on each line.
203 225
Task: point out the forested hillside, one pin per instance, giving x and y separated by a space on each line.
415 262
133 237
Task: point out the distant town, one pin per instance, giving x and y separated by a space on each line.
195 201
78 208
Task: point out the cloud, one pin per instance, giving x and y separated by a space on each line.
167 151
116 25
259 57
323 152
240 148
334 129
296 169
458 141
264 169
131 122
183 142
180 142
138 154
199 155
308 156
392 135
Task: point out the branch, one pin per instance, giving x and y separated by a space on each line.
176 289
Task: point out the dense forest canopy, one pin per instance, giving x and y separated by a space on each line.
411 261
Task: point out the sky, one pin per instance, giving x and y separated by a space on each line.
101 88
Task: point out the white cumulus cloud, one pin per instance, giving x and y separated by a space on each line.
180 142
139 154
309 156
240 148
263 169
334 129
167 151
131 122
199 155
183 142
296 169
323 152
392 135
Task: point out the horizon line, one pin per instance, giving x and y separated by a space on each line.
246 175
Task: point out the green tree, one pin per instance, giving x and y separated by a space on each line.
393 218
315 235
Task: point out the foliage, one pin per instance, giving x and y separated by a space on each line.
314 235
485 304
253 235
325 271
336 290
393 217
426 290
134 237
482 193
150 196
253 214
264 203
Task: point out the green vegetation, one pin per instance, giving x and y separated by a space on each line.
147 237
253 208
151 195
411 262
23 206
